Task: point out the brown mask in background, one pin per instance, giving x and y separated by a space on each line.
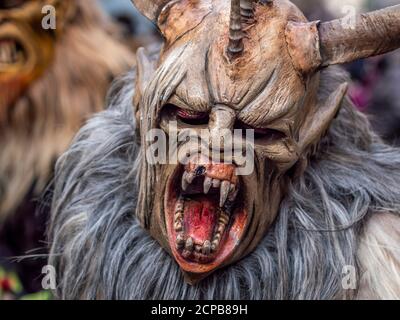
26 48
238 64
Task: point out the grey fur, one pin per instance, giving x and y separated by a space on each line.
100 251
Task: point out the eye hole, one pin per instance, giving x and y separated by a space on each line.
8 4
189 116
262 133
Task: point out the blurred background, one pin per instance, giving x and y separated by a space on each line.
112 36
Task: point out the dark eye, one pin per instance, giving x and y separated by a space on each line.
8 4
190 116
262 133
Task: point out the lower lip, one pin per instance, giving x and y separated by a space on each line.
228 243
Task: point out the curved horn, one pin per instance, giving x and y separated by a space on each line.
372 34
151 9
235 46
314 45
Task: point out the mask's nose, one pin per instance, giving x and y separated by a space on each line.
221 117
221 124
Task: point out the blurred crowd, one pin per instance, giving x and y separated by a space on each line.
374 91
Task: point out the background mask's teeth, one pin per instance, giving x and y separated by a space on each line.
3 54
8 52
14 53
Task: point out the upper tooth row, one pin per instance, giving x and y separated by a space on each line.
227 188
8 53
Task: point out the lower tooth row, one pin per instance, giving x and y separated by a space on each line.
178 217
189 245
222 223
178 223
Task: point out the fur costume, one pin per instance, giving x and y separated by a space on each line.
302 220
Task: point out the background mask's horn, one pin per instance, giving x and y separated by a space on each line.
314 45
150 8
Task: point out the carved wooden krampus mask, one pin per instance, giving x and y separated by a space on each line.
229 65
26 48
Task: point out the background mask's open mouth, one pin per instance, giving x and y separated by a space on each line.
204 213
12 54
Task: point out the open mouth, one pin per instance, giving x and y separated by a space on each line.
205 213
12 53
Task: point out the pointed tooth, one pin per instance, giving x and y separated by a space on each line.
206 247
207 184
190 177
185 183
225 186
216 183
189 244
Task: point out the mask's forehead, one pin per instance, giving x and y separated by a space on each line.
261 85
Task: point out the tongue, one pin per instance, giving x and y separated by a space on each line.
200 217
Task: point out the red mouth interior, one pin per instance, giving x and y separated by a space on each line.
205 215
200 217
